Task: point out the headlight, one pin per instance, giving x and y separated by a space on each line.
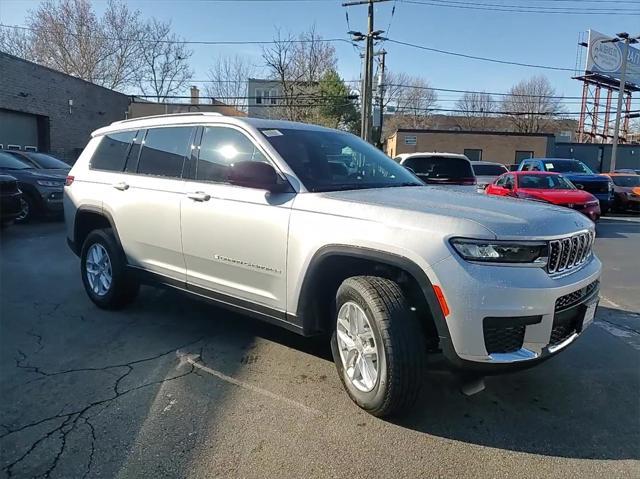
490 251
51 184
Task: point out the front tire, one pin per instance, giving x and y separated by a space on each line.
104 271
378 345
28 209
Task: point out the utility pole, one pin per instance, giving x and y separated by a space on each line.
366 109
381 80
624 37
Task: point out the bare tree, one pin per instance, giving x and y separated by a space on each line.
298 64
17 42
68 36
229 77
165 68
415 102
532 105
475 108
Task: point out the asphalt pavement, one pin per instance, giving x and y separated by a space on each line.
173 387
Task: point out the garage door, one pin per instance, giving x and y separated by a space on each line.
18 130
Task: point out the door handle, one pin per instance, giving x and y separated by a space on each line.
199 196
121 186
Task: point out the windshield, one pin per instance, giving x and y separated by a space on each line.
440 167
545 182
331 160
47 161
489 170
628 181
567 166
10 162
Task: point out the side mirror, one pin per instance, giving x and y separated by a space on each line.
409 169
580 187
254 174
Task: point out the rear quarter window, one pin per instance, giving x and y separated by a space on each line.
440 167
111 152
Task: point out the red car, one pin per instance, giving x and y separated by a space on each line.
548 187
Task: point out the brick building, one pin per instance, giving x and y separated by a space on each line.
46 110
501 147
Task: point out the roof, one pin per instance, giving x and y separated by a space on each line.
487 163
520 172
473 132
203 118
404 156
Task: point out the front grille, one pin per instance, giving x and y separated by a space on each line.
8 186
568 253
568 300
503 339
597 187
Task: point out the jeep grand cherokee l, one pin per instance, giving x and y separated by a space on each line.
319 232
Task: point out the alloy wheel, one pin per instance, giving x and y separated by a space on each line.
98 268
358 348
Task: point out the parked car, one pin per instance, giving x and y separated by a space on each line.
249 213
551 188
579 174
626 190
10 199
439 168
41 191
486 172
42 161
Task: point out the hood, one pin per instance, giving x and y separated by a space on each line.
560 197
585 177
441 210
55 171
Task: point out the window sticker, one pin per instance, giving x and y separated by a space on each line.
270 133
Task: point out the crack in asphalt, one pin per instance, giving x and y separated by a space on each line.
71 419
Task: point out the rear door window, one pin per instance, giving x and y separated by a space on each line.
164 151
440 167
111 153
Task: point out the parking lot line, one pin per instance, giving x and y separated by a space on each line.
193 359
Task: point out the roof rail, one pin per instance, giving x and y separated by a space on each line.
170 115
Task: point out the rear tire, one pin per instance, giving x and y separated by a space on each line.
104 271
393 330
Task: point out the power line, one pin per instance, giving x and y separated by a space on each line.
519 8
485 59
191 42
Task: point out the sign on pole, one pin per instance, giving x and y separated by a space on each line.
606 59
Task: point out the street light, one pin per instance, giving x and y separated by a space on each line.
624 37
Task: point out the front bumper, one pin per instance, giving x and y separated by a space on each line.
52 200
520 299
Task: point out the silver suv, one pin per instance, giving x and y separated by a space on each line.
316 231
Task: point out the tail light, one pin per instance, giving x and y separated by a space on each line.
69 180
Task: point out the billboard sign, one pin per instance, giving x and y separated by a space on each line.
606 58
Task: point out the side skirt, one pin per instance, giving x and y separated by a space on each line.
264 313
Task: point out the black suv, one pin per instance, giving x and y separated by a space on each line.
41 189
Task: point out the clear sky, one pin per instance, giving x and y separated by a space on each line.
549 39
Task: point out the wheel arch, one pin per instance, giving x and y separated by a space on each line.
87 219
332 264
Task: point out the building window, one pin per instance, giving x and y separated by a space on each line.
259 97
410 140
473 155
273 94
14 147
523 155
30 148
